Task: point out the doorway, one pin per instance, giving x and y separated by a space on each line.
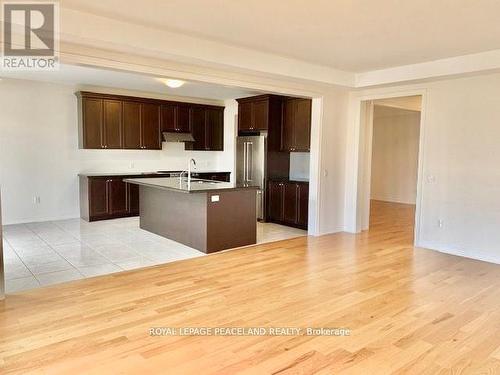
391 138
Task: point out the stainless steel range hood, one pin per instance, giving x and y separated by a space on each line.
177 137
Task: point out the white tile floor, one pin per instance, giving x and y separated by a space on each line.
46 253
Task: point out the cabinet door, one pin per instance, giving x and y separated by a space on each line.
98 197
198 126
303 203
290 203
260 115
245 116
150 125
182 118
117 197
113 124
287 128
215 129
131 125
302 125
133 199
93 134
168 117
275 201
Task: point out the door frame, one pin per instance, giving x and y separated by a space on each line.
360 159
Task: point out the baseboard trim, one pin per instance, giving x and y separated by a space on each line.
40 219
489 258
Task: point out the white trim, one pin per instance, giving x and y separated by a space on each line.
41 219
315 160
364 223
431 246
353 217
99 31
477 63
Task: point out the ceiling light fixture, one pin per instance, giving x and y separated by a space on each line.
174 83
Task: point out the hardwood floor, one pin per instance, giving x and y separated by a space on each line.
410 311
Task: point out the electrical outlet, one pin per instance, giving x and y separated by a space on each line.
131 165
440 223
36 199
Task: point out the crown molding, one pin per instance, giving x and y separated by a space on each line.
105 33
484 62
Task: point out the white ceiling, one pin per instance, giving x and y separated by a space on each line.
85 76
352 35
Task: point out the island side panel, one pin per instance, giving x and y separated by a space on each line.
178 216
231 220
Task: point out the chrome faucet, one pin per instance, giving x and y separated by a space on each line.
193 162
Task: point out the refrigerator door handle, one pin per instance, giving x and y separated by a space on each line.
244 162
250 161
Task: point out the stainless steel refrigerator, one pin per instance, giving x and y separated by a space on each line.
251 161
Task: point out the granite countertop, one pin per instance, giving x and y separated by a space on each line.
138 173
300 180
197 185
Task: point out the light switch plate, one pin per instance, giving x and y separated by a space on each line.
214 198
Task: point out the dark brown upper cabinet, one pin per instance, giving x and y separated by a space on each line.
296 127
101 123
125 122
198 124
112 124
141 126
215 128
150 126
175 118
132 125
207 125
90 113
253 113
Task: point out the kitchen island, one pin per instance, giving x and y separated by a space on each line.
209 216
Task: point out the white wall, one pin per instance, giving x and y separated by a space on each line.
395 155
332 161
39 153
460 164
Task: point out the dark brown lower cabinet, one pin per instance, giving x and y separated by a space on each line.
275 201
109 197
117 197
133 199
288 202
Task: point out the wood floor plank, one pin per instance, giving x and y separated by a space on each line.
409 310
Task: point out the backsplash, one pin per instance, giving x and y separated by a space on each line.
299 166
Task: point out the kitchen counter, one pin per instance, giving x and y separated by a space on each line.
208 216
297 180
197 185
133 173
